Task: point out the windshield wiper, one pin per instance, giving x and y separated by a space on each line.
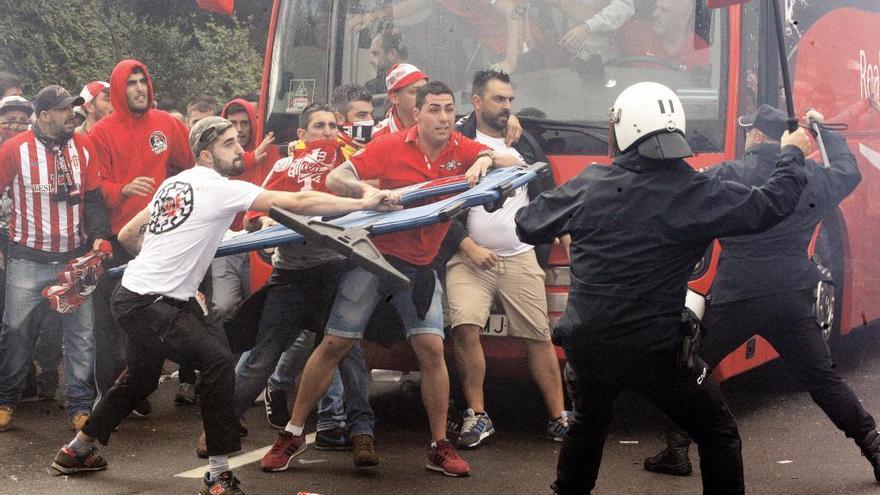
561 125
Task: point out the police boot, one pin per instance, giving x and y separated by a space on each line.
674 458
870 446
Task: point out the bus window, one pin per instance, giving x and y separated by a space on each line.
572 80
299 65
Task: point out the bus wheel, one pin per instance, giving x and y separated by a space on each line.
829 256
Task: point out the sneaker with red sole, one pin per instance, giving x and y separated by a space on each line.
68 462
443 458
283 451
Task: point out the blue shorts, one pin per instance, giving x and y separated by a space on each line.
358 296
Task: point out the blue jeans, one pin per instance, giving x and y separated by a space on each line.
358 296
24 282
351 382
297 300
292 362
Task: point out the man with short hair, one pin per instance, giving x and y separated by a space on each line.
137 146
10 85
174 239
57 215
386 51
301 290
96 104
491 261
202 106
429 150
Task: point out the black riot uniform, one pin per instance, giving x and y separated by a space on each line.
638 227
765 285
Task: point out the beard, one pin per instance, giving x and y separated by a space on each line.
232 168
498 121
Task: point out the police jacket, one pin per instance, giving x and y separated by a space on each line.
776 261
638 227
531 152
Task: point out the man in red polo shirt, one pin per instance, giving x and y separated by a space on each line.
429 150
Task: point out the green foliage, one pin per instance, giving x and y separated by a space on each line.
188 52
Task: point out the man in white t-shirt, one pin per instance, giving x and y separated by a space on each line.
175 239
491 261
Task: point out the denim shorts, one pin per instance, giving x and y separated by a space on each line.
358 296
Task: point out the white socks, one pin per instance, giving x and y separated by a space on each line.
218 465
80 445
296 431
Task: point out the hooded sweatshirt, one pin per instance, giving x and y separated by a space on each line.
254 172
130 146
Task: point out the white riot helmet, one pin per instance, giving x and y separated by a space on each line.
650 116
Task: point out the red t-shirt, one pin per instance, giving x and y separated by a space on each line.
398 161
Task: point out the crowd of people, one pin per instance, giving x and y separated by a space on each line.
106 179
116 174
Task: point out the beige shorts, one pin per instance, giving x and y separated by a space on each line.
518 281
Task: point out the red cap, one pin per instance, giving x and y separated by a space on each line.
93 89
402 75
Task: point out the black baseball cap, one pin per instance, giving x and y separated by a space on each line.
767 119
54 96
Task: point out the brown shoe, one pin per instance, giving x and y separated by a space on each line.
202 448
79 421
363 451
5 418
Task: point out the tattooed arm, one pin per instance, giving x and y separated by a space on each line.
132 235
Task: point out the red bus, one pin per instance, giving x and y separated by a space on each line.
721 62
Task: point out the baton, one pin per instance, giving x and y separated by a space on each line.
814 125
783 66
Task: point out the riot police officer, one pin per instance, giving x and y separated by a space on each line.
638 227
765 285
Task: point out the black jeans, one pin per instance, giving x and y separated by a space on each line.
787 322
160 329
694 402
109 338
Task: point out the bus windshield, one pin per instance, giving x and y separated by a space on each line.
568 60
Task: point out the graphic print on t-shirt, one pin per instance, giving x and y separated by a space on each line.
172 205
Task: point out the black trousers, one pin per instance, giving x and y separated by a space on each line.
109 338
693 402
787 322
160 329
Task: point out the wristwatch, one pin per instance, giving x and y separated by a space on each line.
489 153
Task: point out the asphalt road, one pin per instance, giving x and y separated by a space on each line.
789 446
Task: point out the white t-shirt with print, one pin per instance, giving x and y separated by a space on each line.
497 230
189 215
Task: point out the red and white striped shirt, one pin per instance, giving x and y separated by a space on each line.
39 220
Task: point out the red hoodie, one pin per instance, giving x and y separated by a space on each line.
131 146
254 172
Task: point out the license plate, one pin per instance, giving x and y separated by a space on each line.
495 327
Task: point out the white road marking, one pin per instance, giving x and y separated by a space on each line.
236 461
872 156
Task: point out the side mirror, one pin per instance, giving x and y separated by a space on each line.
717 4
